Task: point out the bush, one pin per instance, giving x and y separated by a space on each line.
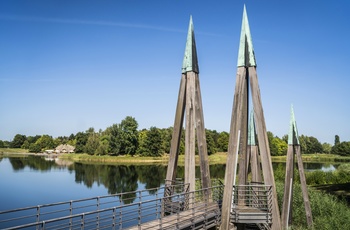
328 212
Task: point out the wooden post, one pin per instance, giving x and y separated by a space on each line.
264 146
202 141
190 176
177 129
231 163
255 164
304 187
288 189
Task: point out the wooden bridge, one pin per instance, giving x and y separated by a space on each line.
168 207
192 205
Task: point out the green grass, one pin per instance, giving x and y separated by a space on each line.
13 151
317 157
328 212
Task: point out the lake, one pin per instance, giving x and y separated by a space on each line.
32 180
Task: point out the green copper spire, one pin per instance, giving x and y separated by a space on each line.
190 62
246 55
251 130
293 138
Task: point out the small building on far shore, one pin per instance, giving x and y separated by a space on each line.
64 148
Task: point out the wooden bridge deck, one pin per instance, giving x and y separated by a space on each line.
246 215
205 216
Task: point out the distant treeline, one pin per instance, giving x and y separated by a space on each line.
125 139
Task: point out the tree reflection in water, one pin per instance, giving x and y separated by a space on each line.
116 178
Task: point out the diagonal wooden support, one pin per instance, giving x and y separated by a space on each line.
231 163
294 148
264 148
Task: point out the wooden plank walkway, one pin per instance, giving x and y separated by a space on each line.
245 214
201 216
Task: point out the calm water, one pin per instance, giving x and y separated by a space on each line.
29 181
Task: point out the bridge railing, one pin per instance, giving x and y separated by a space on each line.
252 204
118 211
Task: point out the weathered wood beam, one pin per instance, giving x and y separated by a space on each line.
288 189
255 163
190 131
242 165
177 129
304 187
201 138
264 145
233 145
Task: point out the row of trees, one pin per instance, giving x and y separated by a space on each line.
125 139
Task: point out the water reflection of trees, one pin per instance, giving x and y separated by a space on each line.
116 178
33 162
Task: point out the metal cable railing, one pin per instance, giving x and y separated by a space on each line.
121 211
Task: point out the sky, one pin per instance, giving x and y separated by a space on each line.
66 66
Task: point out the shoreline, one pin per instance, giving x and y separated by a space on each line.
217 158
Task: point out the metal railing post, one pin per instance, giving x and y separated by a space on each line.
98 214
37 215
82 221
70 213
139 210
120 212
114 217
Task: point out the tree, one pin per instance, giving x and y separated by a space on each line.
25 145
153 143
81 139
18 141
33 139
103 146
342 149
222 143
166 139
278 147
211 136
327 148
336 140
129 136
92 143
1 144
45 142
142 139
114 133
314 146
34 148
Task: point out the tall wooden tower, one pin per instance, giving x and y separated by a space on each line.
246 74
294 148
189 100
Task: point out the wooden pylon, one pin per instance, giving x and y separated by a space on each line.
253 152
294 148
189 100
246 74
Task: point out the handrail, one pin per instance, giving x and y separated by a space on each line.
111 211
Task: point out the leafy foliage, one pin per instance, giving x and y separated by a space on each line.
125 139
18 141
342 149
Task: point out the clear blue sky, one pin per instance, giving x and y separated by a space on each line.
66 66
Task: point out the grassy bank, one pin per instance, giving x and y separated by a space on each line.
13 151
217 158
324 158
